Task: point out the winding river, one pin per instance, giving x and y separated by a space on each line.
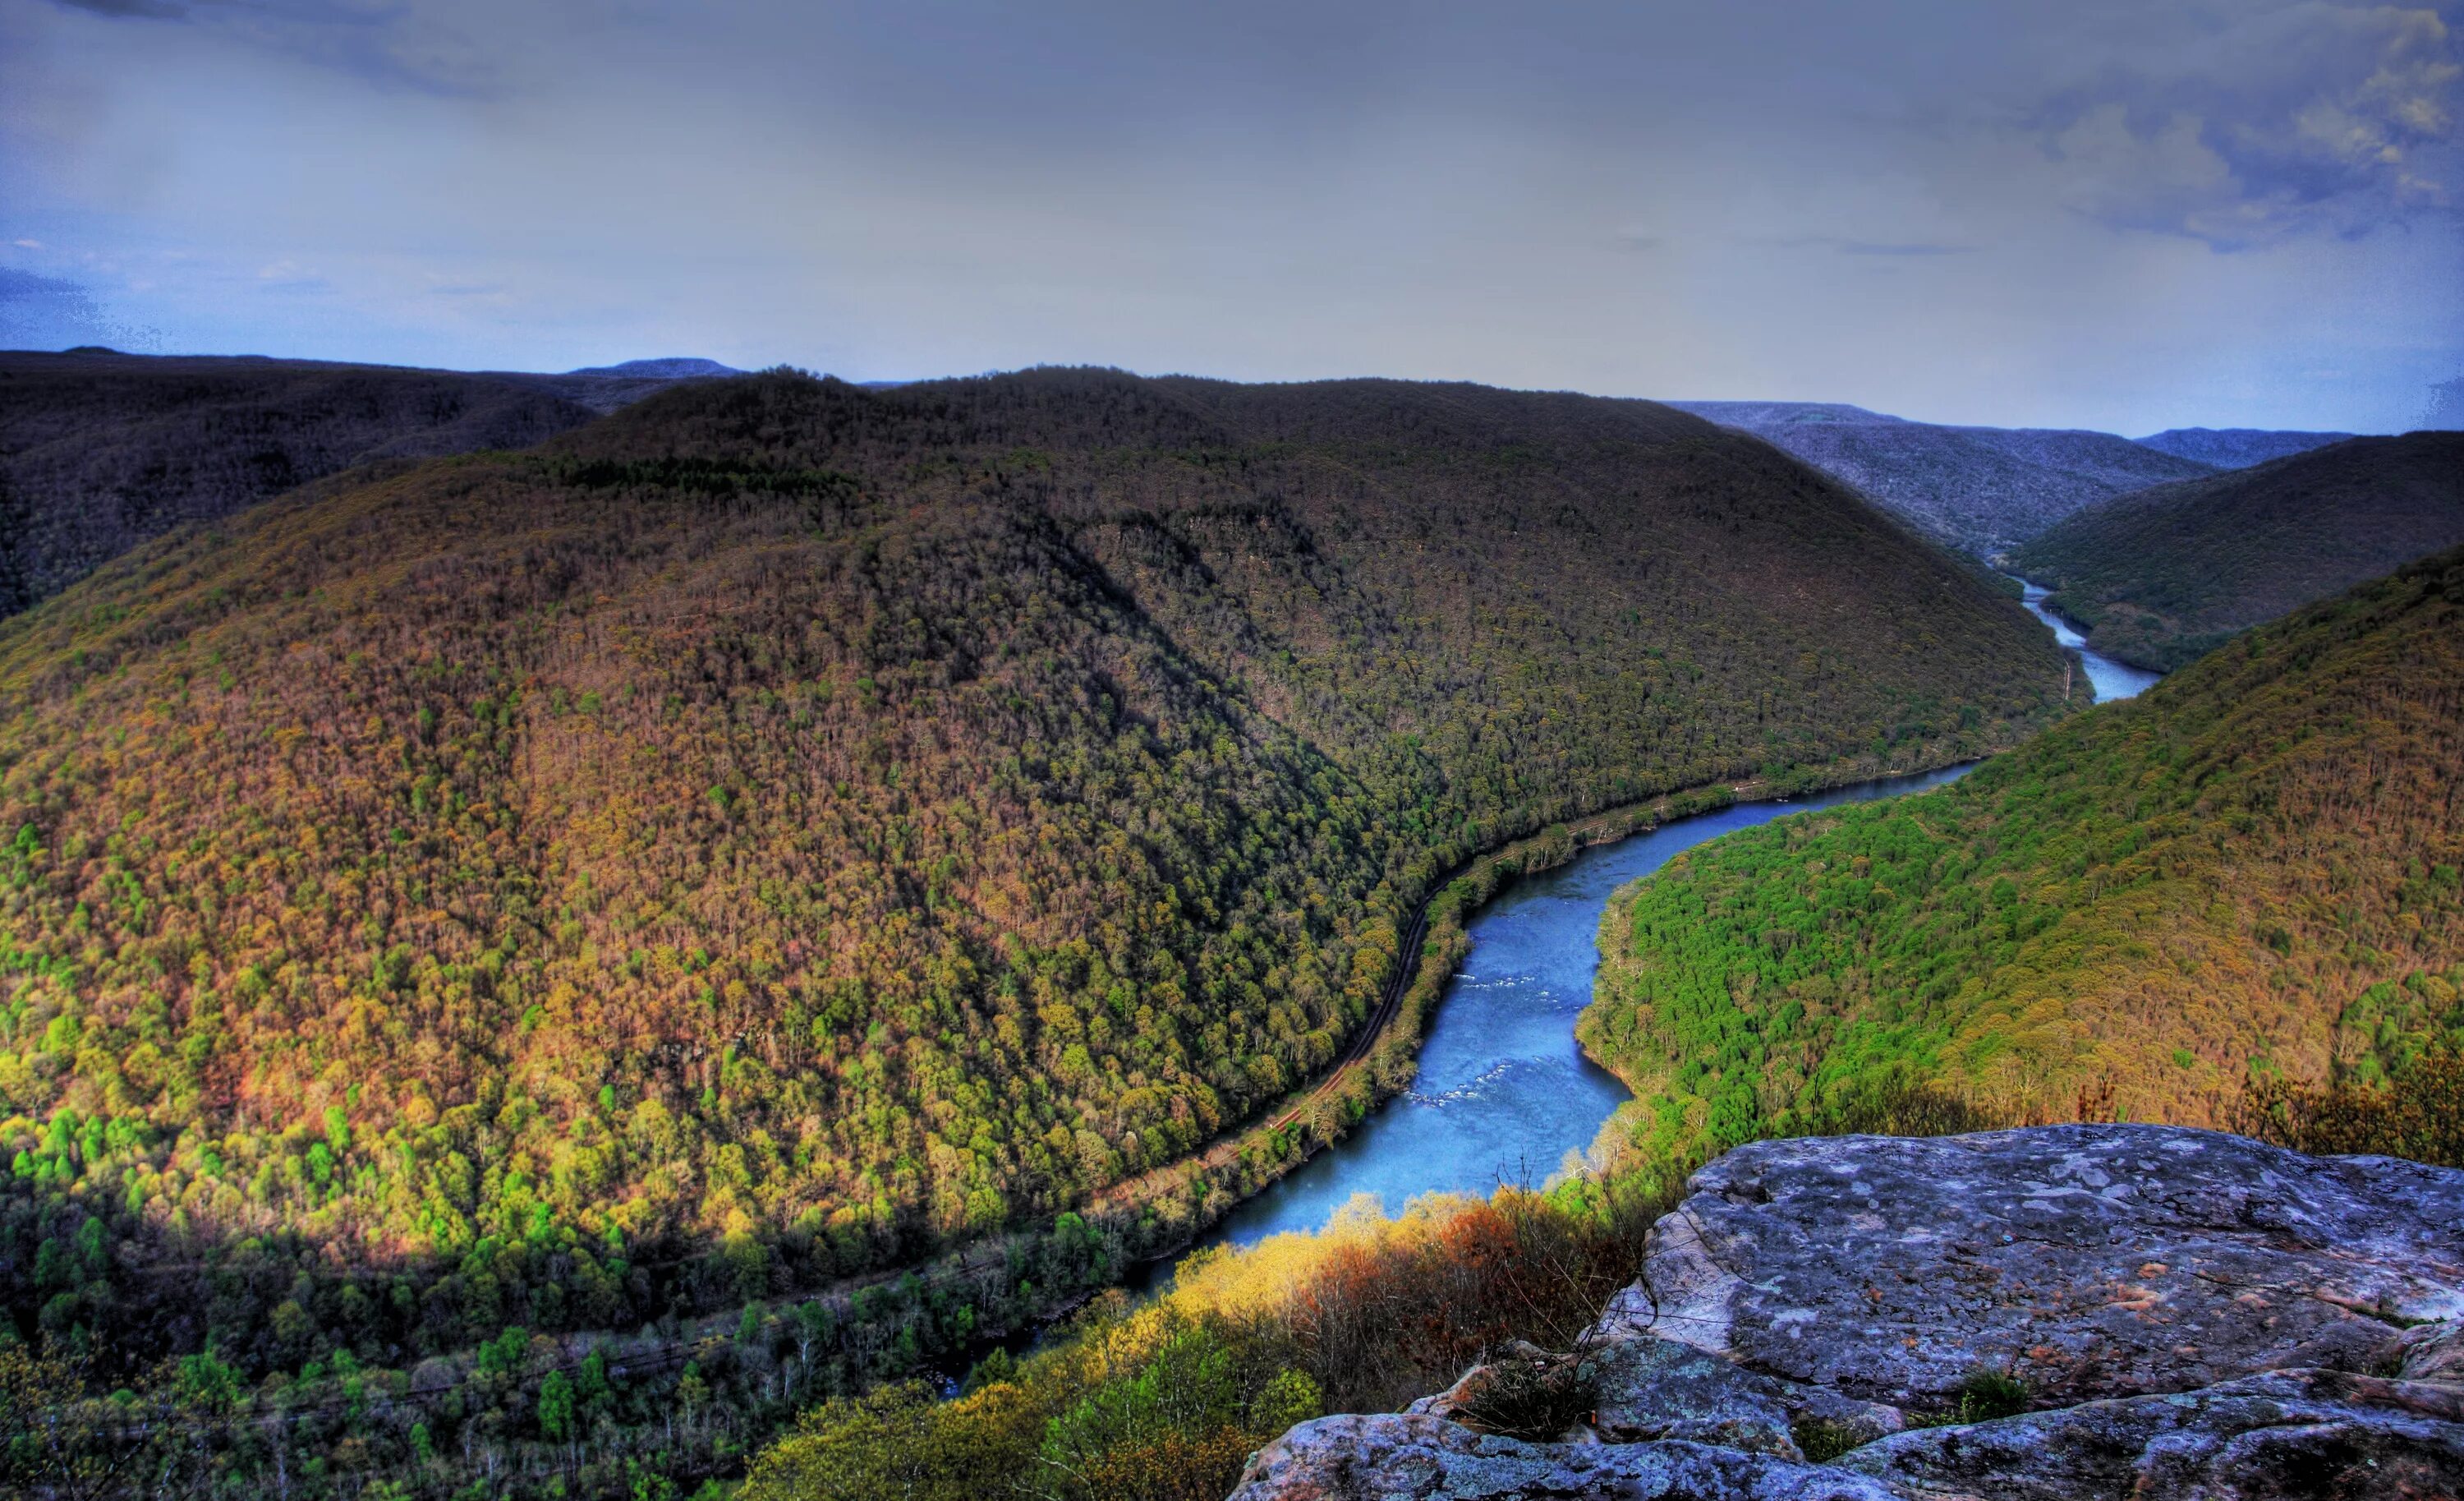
2111 679
1504 1093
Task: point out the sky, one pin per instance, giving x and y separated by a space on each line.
2083 213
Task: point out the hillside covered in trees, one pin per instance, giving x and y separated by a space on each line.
820 825
2163 575
101 451
1980 490
2251 869
2237 448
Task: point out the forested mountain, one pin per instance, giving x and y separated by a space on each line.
2163 575
100 451
2237 448
605 388
2251 866
824 823
671 367
1981 490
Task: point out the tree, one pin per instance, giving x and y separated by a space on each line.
556 1406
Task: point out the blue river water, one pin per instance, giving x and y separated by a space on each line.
1504 1093
2112 679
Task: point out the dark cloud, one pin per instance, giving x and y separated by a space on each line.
2289 119
1842 246
24 286
151 10
403 44
2446 411
38 312
1871 248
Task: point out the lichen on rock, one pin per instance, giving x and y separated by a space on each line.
2181 1312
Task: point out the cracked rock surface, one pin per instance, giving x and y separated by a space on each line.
2087 1261
2285 1434
2191 1313
1427 1458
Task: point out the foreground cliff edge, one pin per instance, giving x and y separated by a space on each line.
2159 1311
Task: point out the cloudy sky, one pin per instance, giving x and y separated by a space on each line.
2119 214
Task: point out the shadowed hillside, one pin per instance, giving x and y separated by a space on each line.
2237 448
2161 576
671 367
827 823
1980 490
100 451
2250 867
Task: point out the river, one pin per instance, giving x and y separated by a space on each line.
1504 1093
2110 678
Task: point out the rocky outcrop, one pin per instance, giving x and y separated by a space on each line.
2086 1260
1640 1387
1430 1459
2181 1313
2303 1433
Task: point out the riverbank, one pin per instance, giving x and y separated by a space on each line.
1504 1093
2109 677
1233 1171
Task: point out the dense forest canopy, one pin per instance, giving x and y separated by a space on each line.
2163 575
2250 868
101 451
828 823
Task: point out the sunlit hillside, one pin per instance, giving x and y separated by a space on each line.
831 823
2251 868
2163 575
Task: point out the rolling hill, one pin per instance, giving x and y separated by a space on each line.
807 824
2164 575
2251 866
669 367
100 451
1980 490
604 389
2237 448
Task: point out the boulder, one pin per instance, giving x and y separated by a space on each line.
2085 1260
1639 1387
2433 1352
2288 1434
1652 1388
1519 1387
1394 1456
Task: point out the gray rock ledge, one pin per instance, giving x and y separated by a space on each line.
2191 1314
2087 1261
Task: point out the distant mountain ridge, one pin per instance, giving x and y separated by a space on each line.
672 367
1979 490
2161 576
100 451
2237 448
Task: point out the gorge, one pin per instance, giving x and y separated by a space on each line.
1504 1092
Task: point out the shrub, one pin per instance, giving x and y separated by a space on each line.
2417 1114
